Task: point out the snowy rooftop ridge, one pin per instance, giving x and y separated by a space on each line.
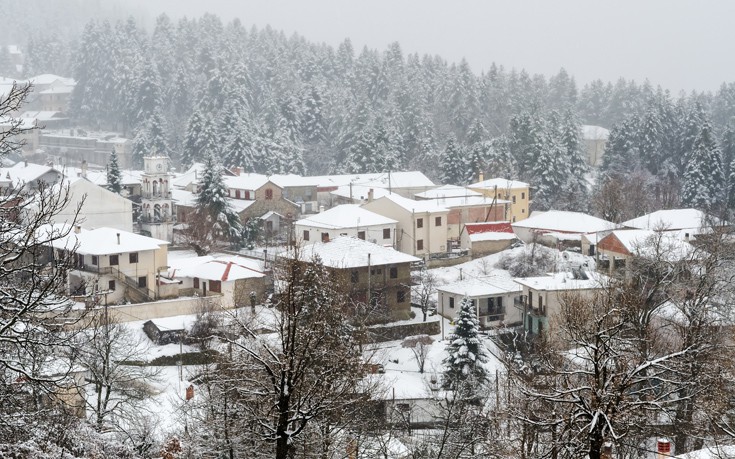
416 206
482 286
345 216
350 252
500 183
107 241
564 221
671 219
448 191
564 281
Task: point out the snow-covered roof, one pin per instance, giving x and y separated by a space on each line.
104 241
188 199
671 219
220 269
293 180
345 216
563 281
594 132
25 173
359 192
501 183
269 214
482 286
49 78
22 123
647 243
713 452
41 115
58 90
410 205
248 181
409 179
566 222
469 201
448 191
492 236
351 252
99 177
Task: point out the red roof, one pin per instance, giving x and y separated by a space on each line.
489 227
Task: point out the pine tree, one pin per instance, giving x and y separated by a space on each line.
704 181
362 158
453 164
114 177
239 149
550 173
214 220
466 352
191 151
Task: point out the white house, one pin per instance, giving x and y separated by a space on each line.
422 225
346 220
115 264
492 296
29 176
687 222
231 276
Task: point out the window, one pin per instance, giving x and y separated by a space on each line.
386 233
111 285
325 237
114 260
523 211
133 257
394 272
375 271
523 195
401 296
355 276
247 195
419 223
514 199
237 194
361 235
269 194
451 302
438 221
420 244
143 282
196 282
95 261
540 304
306 235
215 286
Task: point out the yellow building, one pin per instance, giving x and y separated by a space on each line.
518 193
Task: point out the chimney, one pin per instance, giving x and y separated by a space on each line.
480 177
321 209
239 170
77 229
663 448
118 238
370 195
84 168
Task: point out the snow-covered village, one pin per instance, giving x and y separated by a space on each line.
239 230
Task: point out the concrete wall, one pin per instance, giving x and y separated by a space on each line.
159 309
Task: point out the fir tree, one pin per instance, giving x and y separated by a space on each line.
466 352
191 150
214 220
239 149
114 177
703 177
453 165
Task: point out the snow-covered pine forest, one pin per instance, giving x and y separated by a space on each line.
278 104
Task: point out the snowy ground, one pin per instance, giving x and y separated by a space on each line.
400 380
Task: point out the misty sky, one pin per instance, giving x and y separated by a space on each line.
678 44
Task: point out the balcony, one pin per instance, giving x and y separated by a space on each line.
496 314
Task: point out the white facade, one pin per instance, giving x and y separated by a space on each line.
346 220
493 298
100 207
